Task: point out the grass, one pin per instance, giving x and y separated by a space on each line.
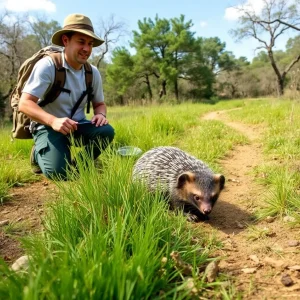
107 238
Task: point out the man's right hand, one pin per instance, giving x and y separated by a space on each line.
63 125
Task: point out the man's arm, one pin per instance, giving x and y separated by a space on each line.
28 105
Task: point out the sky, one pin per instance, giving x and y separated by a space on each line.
211 18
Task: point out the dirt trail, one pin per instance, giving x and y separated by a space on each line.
245 257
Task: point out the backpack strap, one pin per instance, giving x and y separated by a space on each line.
89 87
59 80
88 91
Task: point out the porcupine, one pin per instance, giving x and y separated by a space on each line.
187 182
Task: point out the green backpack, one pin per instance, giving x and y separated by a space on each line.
21 122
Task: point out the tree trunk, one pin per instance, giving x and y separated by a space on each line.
176 89
280 86
163 91
149 87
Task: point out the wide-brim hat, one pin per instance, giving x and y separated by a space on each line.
76 23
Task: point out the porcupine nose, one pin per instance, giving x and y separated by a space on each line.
206 209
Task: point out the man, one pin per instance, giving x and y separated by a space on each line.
54 124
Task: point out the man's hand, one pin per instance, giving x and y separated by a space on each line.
99 120
63 125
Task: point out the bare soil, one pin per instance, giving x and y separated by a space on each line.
257 256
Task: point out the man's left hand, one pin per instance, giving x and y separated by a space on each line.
99 120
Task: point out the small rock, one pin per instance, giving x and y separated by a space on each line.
212 271
286 280
4 223
164 260
22 263
294 268
185 268
289 219
233 180
249 270
190 286
270 219
254 258
293 243
278 264
239 225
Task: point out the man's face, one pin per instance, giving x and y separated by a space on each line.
78 49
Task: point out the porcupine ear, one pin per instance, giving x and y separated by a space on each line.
184 178
220 179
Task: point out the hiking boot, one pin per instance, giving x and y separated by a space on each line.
34 165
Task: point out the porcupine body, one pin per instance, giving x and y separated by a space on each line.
187 182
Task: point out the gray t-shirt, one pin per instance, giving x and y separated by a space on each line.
42 78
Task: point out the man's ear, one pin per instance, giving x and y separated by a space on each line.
64 39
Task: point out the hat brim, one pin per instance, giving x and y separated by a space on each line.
56 38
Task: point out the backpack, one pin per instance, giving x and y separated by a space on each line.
21 122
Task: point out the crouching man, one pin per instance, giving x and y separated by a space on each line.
55 123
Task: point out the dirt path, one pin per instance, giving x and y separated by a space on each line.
257 255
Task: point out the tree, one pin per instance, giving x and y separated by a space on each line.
256 25
167 43
111 32
12 50
43 31
215 56
119 73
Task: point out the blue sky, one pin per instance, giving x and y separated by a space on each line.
210 17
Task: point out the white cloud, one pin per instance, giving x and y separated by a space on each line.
203 24
233 13
27 5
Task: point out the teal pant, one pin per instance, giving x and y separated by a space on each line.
52 148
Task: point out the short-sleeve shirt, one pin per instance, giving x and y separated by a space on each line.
42 78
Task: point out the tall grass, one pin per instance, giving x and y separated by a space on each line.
13 170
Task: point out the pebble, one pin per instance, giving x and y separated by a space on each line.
293 243
289 219
22 263
286 280
4 223
249 270
254 258
212 271
275 263
270 219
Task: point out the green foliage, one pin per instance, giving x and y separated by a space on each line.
282 197
13 171
120 75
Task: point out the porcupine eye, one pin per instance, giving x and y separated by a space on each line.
197 197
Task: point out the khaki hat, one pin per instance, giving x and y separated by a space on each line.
76 23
